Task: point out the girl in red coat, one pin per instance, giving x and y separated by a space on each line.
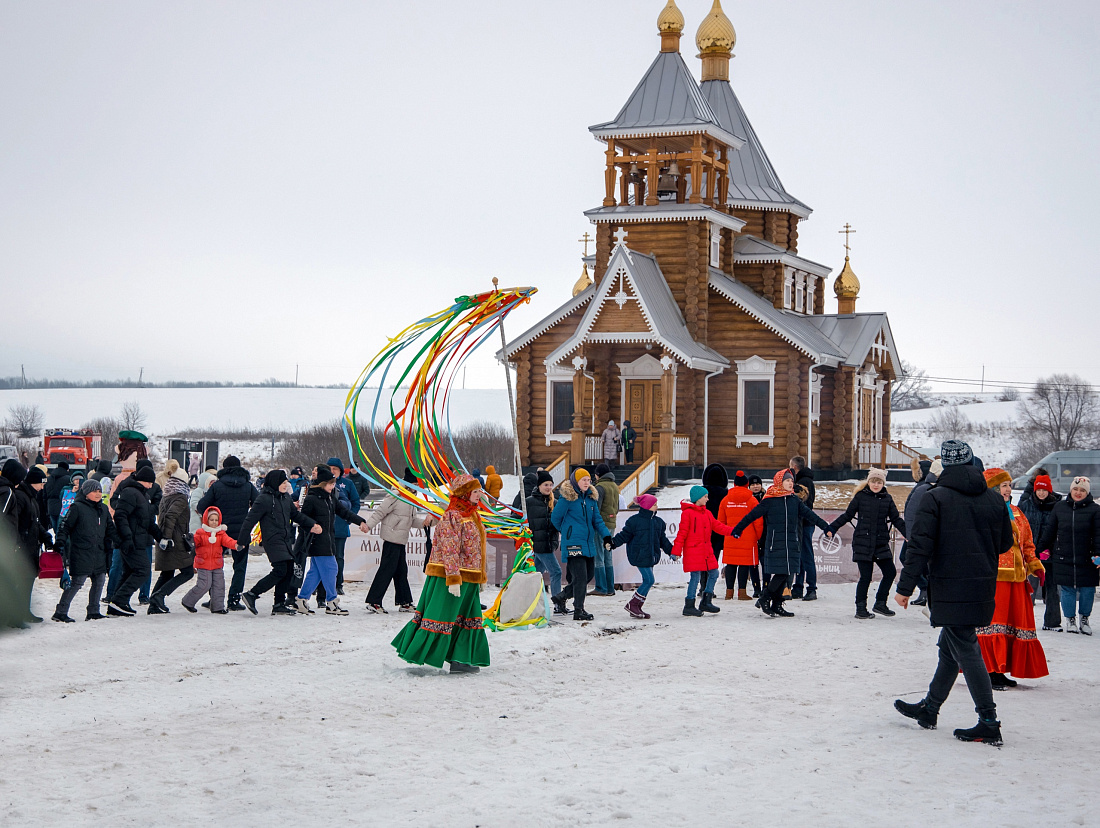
693 544
211 541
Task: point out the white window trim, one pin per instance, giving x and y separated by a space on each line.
715 245
815 398
755 368
555 373
811 292
799 291
788 288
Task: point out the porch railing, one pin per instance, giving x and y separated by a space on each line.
593 447
681 449
559 469
643 479
884 454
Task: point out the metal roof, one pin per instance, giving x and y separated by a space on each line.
753 180
666 100
855 333
662 211
755 250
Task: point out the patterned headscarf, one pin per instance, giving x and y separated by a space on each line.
776 489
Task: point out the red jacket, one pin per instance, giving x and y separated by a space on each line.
693 537
208 550
741 551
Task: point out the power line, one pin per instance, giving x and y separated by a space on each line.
1016 384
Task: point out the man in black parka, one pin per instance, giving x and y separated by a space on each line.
136 531
959 531
82 540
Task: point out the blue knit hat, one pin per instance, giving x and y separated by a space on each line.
697 493
955 453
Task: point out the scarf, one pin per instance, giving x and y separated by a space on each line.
468 511
776 489
173 485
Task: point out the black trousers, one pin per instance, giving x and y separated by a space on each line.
579 571
960 652
738 575
281 577
393 567
135 569
867 571
240 567
775 587
1052 617
168 581
629 452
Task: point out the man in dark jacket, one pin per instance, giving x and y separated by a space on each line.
82 539
959 532
19 507
925 480
348 496
136 531
807 567
233 495
57 481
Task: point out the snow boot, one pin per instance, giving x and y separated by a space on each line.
235 605
689 608
811 595
64 619
778 611
157 600
729 594
862 613
189 609
1085 628
743 595
634 606
459 667
333 608
986 731
921 711
796 591
303 607
707 604
581 615
765 604
921 599
205 605
881 608
1000 681
120 609
283 609
559 604
220 612
249 600
94 616
1071 624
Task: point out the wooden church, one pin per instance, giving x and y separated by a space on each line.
701 324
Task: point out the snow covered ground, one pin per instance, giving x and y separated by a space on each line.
732 719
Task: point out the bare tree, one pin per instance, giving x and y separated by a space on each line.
1009 395
951 424
133 418
1062 411
108 427
25 420
910 390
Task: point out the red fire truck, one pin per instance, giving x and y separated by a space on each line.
75 446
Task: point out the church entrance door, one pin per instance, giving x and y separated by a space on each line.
643 408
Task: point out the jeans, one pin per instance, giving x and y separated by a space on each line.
807 568
114 576
959 652
94 593
648 580
240 566
866 572
693 582
340 542
922 581
547 563
605 568
1074 598
322 569
394 567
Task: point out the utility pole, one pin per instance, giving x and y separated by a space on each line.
141 373
23 371
295 375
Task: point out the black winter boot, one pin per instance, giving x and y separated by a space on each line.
881 608
920 600
921 711
1000 681
689 608
796 591
581 615
779 612
986 731
707 604
765 604
862 613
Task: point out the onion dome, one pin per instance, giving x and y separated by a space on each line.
716 34
670 23
585 282
846 288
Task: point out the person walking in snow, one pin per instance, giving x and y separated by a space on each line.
694 547
137 529
82 539
1071 543
1009 643
493 482
576 516
233 494
960 531
781 551
174 557
447 626
807 567
211 542
348 496
874 511
1037 504
544 537
398 518
611 439
925 474
607 501
645 538
741 556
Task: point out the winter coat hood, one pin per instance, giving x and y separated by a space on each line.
967 480
742 551
693 537
209 511
569 493
578 521
234 477
716 479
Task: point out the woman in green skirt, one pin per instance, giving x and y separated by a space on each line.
447 625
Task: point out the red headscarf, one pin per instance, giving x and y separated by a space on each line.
776 489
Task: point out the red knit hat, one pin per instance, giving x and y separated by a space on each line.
1043 484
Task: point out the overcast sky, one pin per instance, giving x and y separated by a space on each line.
222 190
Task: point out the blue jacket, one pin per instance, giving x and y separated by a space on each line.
348 497
644 536
578 521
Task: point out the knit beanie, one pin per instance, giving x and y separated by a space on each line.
35 475
89 487
410 477
740 479
755 478
14 471
144 463
578 474
336 461
645 501
145 475
323 474
543 476
63 465
876 474
274 479
697 493
602 469
1083 483
181 475
230 462
995 477
955 453
1042 484
104 467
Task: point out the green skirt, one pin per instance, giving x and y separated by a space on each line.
445 628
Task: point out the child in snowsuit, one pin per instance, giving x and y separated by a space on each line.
211 541
694 546
645 538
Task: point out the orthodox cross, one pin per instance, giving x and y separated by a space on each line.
585 239
846 231
620 236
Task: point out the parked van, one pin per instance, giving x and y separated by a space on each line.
8 453
1063 466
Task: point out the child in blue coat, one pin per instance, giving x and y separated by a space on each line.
645 538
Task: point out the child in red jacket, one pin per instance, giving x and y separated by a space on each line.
210 542
693 543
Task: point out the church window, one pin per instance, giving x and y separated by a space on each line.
562 413
788 290
757 409
756 401
715 246
799 292
811 288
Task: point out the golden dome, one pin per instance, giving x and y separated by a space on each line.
585 282
846 285
716 33
670 19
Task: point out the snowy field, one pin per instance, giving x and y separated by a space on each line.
729 720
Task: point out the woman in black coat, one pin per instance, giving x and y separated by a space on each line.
136 530
874 511
781 546
1071 542
82 539
544 537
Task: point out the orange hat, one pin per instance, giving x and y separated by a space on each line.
995 477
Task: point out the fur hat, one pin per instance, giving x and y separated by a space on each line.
955 453
171 467
995 477
35 475
1043 484
180 474
89 487
323 474
876 474
1083 483
578 474
14 471
145 474
463 484
697 493
645 501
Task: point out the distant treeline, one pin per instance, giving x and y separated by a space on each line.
15 383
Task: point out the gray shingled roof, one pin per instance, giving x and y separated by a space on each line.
753 180
753 249
854 333
668 96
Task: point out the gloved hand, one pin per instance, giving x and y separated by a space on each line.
1042 576
1045 555
455 590
165 545
607 541
66 578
